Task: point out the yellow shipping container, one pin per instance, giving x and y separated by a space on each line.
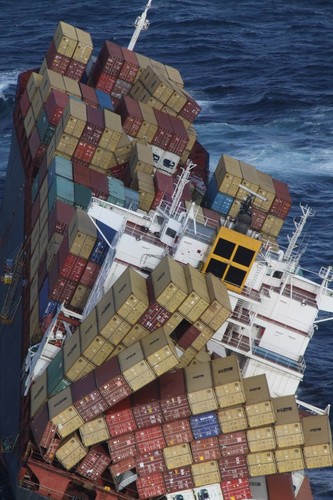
261 463
206 473
177 456
94 432
70 452
289 460
232 419
261 439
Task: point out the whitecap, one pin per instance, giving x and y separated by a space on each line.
7 78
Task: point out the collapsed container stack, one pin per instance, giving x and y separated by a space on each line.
271 198
123 392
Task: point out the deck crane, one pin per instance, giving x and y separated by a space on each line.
141 24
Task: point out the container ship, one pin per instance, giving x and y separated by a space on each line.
161 327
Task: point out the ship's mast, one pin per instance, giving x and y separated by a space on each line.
141 24
306 213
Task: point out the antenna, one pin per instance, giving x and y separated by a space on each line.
141 24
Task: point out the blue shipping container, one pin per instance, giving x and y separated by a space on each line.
99 252
104 100
205 425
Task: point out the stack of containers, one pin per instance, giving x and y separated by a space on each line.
317 441
143 183
69 52
94 463
199 388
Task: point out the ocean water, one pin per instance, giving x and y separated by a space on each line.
262 72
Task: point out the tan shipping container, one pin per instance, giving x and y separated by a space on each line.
159 351
37 103
130 295
199 388
112 131
94 347
141 159
29 122
70 452
75 364
285 410
232 419
94 432
65 39
33 84
110 325
66 145
63 413
249 180
197 300
51 80
219 309
134 367
169 284
206 473
173 322
289 460
74 118
38 393
136 333
256 389
206 334
227 381
84 47
317 430
261 463
82 234
228 175
186 357
288 435
261 439
177 456
317 456
266 189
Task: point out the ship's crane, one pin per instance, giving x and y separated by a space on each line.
141 24
14 275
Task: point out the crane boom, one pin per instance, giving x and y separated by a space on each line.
141 24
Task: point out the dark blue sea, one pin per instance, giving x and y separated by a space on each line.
263 74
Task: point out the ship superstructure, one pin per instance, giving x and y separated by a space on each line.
165 329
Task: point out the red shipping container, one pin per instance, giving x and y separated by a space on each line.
84 151
68 292
130 66
205 449
105 82
51 450
258 218
111 58
94 463
155 316
146 406
130 113
70 266
55 61
174 402
86 397
81 172
60 217
150 462
282 202
186 333
110 382
122 447
24 103
150 439
34 142
42 428
281 486
90 274
122 466
99 182
55 104
233 443
234 467
89 95
237 489
164 131
178 479
75 70
94 128
191 108
151 486
180 138
177 432
120 419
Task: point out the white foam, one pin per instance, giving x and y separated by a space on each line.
7 78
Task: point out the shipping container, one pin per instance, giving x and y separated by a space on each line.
205 425
75 365
122 447
178 479
174 402
233 467
150 439
159 351
261 463
199 388
151 485
120 419
177 432
261 439
134 367
177 456
93 432
70 452
42 428
147 463
63 413
206 473
86 398
233 443
130 295
111 382
204 450
94 463
289 459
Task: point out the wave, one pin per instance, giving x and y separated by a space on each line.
8 80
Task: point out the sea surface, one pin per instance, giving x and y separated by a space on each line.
263 74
